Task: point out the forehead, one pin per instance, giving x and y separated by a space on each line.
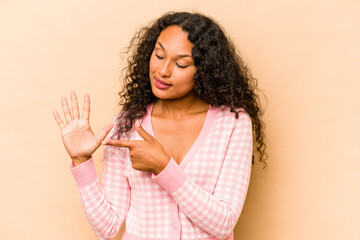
174 39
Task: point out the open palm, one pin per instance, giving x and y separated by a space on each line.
79 140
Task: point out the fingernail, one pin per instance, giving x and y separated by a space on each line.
137 123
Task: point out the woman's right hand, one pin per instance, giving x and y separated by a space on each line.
79 140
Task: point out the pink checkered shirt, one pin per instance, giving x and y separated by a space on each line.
201 198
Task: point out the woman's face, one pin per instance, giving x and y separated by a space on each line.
172 68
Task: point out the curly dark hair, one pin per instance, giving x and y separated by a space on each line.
221 79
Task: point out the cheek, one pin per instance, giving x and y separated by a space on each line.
153 64
185 81
189 76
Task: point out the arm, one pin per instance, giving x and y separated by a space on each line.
105 204
217 212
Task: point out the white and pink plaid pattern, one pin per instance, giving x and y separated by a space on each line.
200 199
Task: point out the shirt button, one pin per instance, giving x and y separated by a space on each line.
175 227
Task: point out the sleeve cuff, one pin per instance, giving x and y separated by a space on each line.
171 178
84 174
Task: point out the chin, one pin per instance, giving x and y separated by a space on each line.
163 96
159 93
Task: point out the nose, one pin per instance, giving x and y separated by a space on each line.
165 69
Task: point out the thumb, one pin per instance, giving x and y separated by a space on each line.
103 132
141 131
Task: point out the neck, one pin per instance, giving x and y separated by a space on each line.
177 108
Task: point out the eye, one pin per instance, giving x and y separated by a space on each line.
159 57
182 66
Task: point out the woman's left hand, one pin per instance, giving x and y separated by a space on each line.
145 155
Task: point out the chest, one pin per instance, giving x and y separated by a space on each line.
203 162
177 137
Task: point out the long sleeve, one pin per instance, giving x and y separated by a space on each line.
215 212
105 204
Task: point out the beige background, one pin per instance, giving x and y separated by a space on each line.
304 53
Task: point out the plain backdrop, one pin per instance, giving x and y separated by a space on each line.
305 55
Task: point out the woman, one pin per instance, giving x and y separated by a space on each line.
178 158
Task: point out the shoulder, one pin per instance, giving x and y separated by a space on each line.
238 115
231 126
235 125
233 121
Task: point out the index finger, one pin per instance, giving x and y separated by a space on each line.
58 120
120 143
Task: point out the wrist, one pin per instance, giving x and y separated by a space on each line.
79 160
162 166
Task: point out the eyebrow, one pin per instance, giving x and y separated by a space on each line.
181 56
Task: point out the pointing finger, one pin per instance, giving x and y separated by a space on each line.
120 143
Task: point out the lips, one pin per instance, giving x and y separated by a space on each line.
161 84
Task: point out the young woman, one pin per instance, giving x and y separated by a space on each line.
178 157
